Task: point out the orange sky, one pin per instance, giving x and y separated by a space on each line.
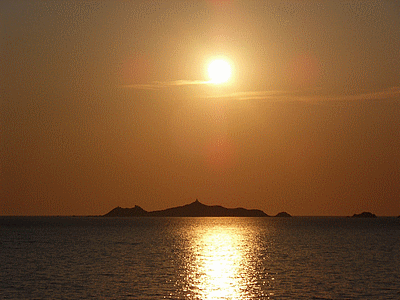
103 104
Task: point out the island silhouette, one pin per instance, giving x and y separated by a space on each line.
194 209
364 214
283 215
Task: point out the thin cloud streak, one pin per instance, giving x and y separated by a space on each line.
270 95
252 95
385 94
156 85
294 96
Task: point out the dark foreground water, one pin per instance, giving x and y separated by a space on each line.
199 258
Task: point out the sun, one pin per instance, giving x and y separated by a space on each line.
219 71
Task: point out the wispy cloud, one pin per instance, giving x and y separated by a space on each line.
277 95
311 95
378 95
156 85
252 95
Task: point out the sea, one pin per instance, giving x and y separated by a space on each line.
199 258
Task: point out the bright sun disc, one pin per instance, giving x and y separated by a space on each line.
219 71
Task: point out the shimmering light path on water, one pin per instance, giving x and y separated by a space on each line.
222 263
199 258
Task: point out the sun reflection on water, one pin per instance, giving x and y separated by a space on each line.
220 264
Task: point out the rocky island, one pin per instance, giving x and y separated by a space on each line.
283 214
194 209
364 215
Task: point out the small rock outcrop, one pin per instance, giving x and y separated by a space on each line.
283 214
364 215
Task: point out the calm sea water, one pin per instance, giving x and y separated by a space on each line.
199 258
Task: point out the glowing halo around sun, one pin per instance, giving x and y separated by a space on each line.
219 71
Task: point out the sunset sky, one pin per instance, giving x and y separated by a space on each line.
108 103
